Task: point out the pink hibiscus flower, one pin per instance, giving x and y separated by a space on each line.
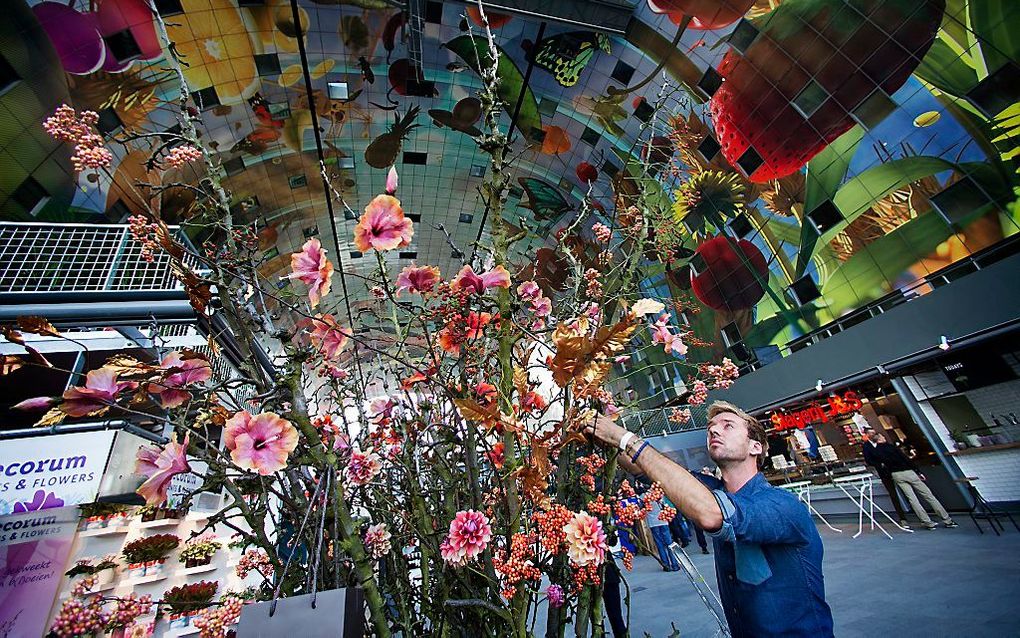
185 372
311 267
586 540
261 442
97 395
383 226
529 291
670 342
417 279
469 534
327 336
498 277
159 466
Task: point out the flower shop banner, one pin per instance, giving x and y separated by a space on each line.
52 471
34 547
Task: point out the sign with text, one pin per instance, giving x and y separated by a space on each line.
34 547
817 412
43 472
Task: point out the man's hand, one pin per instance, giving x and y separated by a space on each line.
606 431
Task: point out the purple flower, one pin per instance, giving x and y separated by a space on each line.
555 595
41 501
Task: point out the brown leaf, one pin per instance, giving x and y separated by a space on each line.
12 335
534 474
52 417
9 363
37 325
37 356
127 366
586 360
474 411
521 380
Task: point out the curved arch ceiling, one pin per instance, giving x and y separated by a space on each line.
243 56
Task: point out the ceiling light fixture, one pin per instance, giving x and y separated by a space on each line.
943 343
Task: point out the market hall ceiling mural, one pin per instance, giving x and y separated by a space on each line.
807 157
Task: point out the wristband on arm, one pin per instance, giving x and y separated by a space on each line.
625 440
641 449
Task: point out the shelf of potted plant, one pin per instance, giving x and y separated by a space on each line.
99 517
183 602
145 556
199 551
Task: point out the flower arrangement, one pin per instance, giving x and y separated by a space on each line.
184 600
472 450
159 512
149 551
78 618
199 550
127 609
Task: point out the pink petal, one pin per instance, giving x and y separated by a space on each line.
391 181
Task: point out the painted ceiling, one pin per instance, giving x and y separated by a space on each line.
837 123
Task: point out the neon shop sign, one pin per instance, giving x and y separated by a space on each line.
817 412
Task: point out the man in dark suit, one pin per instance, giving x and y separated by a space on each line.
886 457
871 458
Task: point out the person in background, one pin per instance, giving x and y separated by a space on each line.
886 457
868 447
768 554
680 528
660 534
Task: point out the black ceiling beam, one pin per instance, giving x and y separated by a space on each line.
310 94
607 16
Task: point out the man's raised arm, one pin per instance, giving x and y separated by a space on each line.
688 493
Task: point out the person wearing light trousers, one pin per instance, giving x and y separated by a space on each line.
887 457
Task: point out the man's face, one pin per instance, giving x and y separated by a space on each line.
728 440
879 437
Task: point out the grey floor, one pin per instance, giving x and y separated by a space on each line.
948 582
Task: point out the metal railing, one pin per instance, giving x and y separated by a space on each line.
46 258
655 422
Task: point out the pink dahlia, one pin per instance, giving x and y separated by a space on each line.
327 336
377 540
363 467
311 267
586 541
498 277
417 279
182 373
262 442
159 466
469 534
383 226
99 393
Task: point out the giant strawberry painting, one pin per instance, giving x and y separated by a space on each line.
808 74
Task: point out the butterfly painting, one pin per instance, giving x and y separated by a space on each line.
566 54
544 199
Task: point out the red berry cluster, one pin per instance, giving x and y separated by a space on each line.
598 507
584 575
550 526
667 514
144 233
592 464
628 560
518 566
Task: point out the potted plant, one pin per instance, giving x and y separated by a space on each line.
199 551
103 569
148 513
184 601
100 515
145 556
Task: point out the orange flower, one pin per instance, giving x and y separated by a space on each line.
383 226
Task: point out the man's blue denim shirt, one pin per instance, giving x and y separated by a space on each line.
768 560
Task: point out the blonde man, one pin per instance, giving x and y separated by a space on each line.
768 554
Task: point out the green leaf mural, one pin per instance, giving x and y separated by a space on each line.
475 52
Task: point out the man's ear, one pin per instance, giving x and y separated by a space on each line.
756 448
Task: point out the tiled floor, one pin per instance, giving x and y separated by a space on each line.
941 583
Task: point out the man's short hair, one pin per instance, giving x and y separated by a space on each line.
755 430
